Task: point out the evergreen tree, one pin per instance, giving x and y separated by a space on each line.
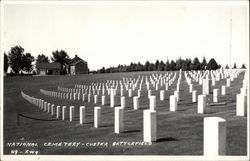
146 66
203 64
234 67
151 67
167 66
156 65
195 65
184 65
6 63
179 64
227 67
161 66
212 65
172 65
243 66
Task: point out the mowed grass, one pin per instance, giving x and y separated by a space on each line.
178 133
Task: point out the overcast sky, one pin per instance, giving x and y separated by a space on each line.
108 35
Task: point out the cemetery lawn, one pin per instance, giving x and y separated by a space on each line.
178 133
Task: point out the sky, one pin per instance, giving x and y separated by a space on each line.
108 35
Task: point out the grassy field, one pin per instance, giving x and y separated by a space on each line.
178 133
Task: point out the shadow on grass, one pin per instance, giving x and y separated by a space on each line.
166 139
88 122
210 112
187 104
131 131
103 126
182 110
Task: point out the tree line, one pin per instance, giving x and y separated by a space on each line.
184 64
20 62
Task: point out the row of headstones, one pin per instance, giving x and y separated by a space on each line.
213 126
241 99
207 83
149 85
78 90
212 81
174 99
217 75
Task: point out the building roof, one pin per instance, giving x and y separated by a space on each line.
76 60
48 65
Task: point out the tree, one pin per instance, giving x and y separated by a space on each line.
60 57
188 62
151 66
161 66
42 59
6 63
179 64
15 59
227 67
234 67
203 64
167 66
146 66
27 62
139 67
156 65
243 66
184 65
212 65
219 66
172 65
195 65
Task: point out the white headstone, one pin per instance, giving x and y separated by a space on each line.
119 114
129 92
82 114
223 90
63 112
83 97
48 107
123 102
162 95
97 117
71 113
149 126
173 103
241 105
190 88
52 109
194 96
58 111
149 93
103 100
215 95
112 98
89 97
202 102
95 99
139 93
228 82
206 86
177 95
152 103
136 102
214 136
